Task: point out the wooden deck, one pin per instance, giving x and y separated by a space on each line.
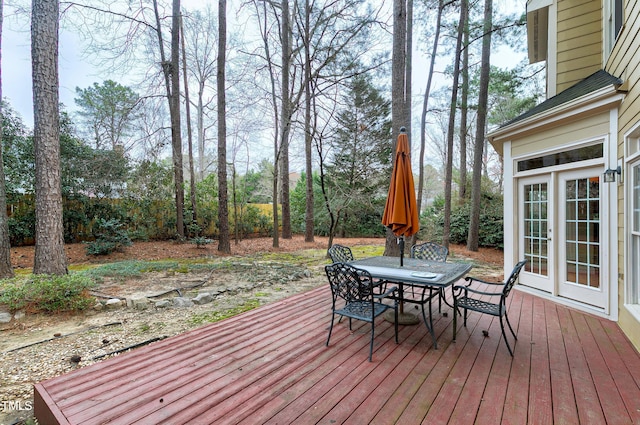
270 365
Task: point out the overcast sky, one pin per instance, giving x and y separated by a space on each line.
74 71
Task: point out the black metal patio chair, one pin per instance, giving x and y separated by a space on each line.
467 298
431 251
343 254
340 253
355 286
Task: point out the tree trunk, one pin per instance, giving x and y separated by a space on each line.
474 220
286 121
309 217
6 271
398 94
176 132
170 70
462 190
50 257
187 105
224 243
425 104
451 128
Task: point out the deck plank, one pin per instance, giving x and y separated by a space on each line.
589 412
271 365
491 406
562 397
516 404
540 403
613 407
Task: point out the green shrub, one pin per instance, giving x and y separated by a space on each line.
200 241
48 293
109 237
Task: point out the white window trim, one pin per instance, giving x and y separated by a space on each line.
632 158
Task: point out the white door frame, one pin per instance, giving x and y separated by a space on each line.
594 290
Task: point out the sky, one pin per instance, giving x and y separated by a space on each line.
76 71
16 71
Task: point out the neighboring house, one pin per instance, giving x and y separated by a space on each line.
572 163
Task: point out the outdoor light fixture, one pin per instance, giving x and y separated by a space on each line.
610 174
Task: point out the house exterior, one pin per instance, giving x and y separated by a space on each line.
572 163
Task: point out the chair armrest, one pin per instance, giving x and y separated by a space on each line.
388 292
471 279
475 291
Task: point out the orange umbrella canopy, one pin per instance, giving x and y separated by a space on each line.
401 211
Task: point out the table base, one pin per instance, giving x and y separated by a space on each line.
404 318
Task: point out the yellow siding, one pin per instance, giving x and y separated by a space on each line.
587 128
624 62
579 41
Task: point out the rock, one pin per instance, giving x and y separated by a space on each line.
203 298
19 315
141 303
307 273
75 359
182 302
113 303
98 307
5 317
163 304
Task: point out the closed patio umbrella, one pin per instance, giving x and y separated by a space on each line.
401 211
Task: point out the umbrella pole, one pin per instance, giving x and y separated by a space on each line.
401 251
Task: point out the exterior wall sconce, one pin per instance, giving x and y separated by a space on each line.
610 174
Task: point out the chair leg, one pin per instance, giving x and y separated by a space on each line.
373 326
395 321
429 324
455 317
330 329
504 335
510 328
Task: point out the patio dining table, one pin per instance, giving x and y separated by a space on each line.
430 277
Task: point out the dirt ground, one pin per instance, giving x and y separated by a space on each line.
22 257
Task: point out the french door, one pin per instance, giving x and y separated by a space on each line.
580 262
536 229
561 235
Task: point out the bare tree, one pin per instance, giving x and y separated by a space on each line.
474 220
285 116
448 179
224 242
462 190
6 270
425 102
187 105
399 108
50 257
308 136
201 44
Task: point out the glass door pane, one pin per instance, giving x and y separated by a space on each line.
535 228
582 231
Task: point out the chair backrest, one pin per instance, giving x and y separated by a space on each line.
430 251
512 278
349 283
340 254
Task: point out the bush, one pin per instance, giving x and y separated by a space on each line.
200 241
48 293
109 237
491 232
